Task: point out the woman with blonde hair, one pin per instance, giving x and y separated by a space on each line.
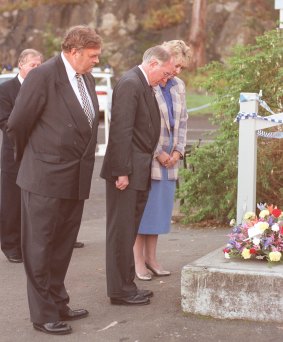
171 98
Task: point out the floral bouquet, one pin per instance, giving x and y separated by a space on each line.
257 237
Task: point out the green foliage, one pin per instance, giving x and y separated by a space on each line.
165 16
209 187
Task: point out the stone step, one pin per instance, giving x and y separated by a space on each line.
233 288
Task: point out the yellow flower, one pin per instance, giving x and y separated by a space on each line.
264 213
262 226
249 216
274 256
246 253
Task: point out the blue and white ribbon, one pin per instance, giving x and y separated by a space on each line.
263 104
243 116
271 135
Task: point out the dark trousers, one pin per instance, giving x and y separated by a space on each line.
124 211
49 230
10 215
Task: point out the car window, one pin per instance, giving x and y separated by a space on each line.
101 81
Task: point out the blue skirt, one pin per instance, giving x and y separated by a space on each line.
157 214
158 211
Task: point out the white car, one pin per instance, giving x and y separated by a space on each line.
103 88
7 77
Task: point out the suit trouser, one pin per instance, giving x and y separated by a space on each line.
124 211
10 214
49 230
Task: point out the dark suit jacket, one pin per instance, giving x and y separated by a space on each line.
51 134
8 93
134 131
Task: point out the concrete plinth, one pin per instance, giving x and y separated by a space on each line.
233 288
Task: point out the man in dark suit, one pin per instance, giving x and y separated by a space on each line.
54 129
134 133
10 202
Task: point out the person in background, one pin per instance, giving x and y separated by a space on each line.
54 127
10 202
134 133
171 98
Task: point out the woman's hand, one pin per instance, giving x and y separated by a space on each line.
163 158
174 158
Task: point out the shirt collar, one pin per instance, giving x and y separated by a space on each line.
169 84
69 69
21 80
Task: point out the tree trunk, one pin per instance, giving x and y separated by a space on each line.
197 35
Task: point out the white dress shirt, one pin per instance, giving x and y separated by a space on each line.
74 83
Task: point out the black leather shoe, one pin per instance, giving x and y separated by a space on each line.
54 328
145 293
15 258
130 300
78 244
71 315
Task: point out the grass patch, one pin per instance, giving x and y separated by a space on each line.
195 100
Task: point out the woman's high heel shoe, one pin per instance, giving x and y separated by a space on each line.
144 276
159 273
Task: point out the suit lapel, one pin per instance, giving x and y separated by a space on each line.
162 106
71 101
176 98
16 86
153 110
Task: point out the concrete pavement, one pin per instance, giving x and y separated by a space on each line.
162 320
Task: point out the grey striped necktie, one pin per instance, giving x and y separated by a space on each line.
86 105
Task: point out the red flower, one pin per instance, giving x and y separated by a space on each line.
226 250
253 251
276 212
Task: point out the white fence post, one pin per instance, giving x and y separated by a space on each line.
247 158
279 6
247 154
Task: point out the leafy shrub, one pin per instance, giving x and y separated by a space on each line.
209 189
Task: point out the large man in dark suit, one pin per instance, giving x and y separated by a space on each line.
54 128
134 133
10 202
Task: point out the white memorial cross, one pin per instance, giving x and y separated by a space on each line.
247 155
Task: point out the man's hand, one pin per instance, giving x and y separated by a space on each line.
122 182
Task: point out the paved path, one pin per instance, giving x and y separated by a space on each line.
162 320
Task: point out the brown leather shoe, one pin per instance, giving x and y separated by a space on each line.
54 328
